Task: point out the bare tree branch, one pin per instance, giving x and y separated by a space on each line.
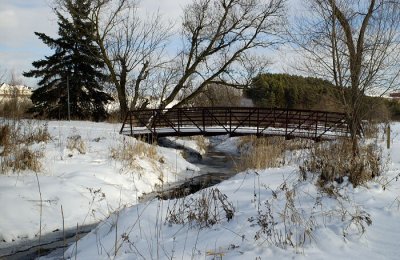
130 46
356 44
217 35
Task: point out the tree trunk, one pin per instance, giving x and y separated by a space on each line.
121 89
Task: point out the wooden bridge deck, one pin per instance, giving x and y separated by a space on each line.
235 121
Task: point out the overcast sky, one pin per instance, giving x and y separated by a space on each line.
19 19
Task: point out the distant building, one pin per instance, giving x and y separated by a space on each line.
395 95
18 91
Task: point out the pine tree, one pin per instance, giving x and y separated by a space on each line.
74 70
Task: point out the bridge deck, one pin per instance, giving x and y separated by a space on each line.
290 123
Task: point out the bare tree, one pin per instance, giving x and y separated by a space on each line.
219 40
355 43
131 45
218 96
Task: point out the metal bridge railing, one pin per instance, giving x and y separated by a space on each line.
235 121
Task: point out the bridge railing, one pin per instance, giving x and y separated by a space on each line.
235 121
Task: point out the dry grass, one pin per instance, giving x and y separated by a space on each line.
22 159
201 141
206 210
5 139
114 117
15 108
334 161
286 226
35 133
15 140
75 142
370 129
288 218
261 153
127 152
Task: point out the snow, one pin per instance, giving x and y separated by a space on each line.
269 131
88 186
188 143
151 238
319 226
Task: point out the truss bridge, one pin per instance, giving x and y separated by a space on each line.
151 124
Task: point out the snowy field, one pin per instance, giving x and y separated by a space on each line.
272 213
89 185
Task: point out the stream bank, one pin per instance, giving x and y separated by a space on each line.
215 166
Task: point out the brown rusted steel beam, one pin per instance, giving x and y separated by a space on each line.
286 122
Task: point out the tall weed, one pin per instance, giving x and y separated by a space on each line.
16 138
203 211
128 152
268 152
335 160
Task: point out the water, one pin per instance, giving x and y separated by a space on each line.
214 168
31 249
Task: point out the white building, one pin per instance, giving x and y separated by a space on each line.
8 92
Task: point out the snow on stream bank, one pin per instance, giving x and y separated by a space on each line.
276 215
89 186
306 223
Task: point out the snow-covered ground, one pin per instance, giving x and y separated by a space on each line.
276 214
89 186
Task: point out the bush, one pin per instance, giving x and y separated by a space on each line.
21 159
15 138
335 160
5 138
217 96
15 107
128 152
75 142
206 210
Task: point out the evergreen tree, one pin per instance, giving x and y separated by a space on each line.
74 70
291 91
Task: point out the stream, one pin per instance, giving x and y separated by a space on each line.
215 166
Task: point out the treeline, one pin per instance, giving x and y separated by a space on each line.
293 91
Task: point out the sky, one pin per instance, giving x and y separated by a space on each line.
19 19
